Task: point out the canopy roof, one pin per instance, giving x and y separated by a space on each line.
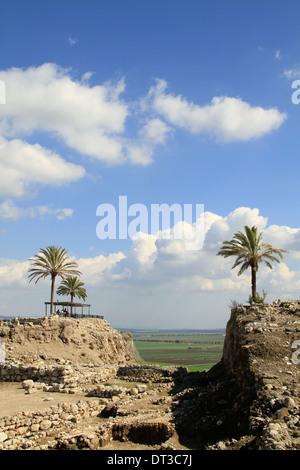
68 304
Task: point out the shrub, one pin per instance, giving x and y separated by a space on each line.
257 299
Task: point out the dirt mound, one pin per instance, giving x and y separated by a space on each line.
55 339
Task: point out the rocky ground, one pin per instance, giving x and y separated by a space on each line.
116 414
249 401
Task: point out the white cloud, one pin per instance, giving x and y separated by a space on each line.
283 281
88 119
292 73
86 76
166 264
22 166
153 133
72 41
91 120
161 265
9 210
60 214
139 153
46 98
283 235
226 118
96 270
13 272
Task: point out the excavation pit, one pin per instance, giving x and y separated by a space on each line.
149 433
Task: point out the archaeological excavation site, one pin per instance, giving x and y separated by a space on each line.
79 384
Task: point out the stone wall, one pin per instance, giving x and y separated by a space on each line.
259 339
69 374
148 373
23 430
259 353
49 374
65 378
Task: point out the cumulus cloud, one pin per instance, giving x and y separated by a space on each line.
47 98
159 264
13 272
23 165
88 119
284 234
226 118
98 269
91 120
165 263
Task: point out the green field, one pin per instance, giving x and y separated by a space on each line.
195 349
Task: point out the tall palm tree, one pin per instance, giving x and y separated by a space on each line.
250 251
74 287
52 261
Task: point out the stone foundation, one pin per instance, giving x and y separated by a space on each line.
24 429
55 425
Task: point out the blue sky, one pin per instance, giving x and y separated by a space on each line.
185 102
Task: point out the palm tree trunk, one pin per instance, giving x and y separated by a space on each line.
253 282
52 293
72 297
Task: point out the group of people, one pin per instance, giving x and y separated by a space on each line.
65 313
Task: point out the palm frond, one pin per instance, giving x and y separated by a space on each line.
52 261
249 251
72 286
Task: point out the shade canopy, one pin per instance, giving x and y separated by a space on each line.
68 304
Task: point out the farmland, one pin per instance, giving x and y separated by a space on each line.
195 349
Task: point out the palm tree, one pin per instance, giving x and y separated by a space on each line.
74 287
250 251
52 261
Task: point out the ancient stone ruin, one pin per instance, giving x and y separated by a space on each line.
91 391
